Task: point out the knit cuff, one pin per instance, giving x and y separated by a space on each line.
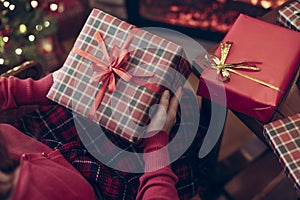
156 141
156 154
31 91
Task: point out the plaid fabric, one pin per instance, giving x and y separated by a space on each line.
288 18
124 111
55 127
284 138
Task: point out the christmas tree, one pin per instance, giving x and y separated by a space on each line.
24 26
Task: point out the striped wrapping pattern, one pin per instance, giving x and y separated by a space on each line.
287 17
123 112
284 138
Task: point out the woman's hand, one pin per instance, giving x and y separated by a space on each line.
165 116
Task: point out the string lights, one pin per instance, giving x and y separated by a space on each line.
23 24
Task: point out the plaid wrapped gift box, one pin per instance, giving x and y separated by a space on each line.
289 16
107 39
284 138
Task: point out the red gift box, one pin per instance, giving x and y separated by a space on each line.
278 51
130 65
288 17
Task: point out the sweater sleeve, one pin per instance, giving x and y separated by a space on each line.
158 181
15 92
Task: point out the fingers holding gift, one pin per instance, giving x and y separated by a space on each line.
165 116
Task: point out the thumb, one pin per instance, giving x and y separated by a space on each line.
164 100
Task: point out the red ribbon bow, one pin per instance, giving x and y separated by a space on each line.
107 68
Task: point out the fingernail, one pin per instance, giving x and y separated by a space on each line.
166 93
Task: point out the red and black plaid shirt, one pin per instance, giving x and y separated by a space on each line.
55 127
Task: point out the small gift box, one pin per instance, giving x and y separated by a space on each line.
261 60
284 138
289 16
115 73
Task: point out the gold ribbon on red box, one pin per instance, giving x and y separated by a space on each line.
110 66
223 68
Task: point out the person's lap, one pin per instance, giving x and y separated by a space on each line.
55 126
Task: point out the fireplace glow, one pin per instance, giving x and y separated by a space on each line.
265 3
216 16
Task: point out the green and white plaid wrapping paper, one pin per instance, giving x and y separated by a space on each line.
125 111
288 17
284 138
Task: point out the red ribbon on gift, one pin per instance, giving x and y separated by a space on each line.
110 66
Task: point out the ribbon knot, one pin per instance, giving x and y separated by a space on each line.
224 68
105 73
106 69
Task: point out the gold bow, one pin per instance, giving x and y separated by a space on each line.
223 68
